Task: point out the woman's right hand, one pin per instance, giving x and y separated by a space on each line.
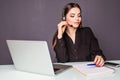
61 28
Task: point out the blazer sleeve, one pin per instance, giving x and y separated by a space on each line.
60 50
94 46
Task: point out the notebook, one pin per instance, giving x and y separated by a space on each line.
33 56
92 70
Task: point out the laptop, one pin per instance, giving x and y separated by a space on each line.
33 56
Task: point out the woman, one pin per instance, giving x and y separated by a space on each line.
72 42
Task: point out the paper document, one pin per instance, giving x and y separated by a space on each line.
92 70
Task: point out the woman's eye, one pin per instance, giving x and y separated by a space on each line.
79 16
72 16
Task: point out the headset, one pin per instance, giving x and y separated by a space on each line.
64 18
63 15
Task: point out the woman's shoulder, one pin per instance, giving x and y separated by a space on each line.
86 29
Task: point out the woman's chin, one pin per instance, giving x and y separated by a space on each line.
76 26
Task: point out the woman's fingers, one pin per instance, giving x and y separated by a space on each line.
62 23
99 61
61 28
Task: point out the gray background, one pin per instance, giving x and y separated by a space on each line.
38 19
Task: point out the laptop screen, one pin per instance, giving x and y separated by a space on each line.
31 56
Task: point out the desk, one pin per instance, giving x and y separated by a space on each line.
8 72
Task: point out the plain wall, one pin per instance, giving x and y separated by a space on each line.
38 19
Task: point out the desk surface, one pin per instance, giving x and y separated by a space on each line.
8 72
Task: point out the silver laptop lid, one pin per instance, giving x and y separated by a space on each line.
31 56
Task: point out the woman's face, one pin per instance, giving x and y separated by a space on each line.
73 17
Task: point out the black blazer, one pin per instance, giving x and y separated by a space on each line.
85 48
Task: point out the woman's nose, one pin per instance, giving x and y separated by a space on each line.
77 18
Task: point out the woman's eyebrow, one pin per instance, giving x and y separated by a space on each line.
75 14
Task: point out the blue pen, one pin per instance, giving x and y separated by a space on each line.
91 64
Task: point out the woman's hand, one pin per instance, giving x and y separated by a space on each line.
99 61
61 28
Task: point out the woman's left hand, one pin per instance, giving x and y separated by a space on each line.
99 61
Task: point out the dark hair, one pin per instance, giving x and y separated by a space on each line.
66 9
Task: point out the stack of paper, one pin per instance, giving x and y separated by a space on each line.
92 70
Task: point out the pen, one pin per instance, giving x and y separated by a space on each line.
91 64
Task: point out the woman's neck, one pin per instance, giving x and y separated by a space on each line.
71 33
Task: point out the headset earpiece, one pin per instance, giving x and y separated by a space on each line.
63 18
